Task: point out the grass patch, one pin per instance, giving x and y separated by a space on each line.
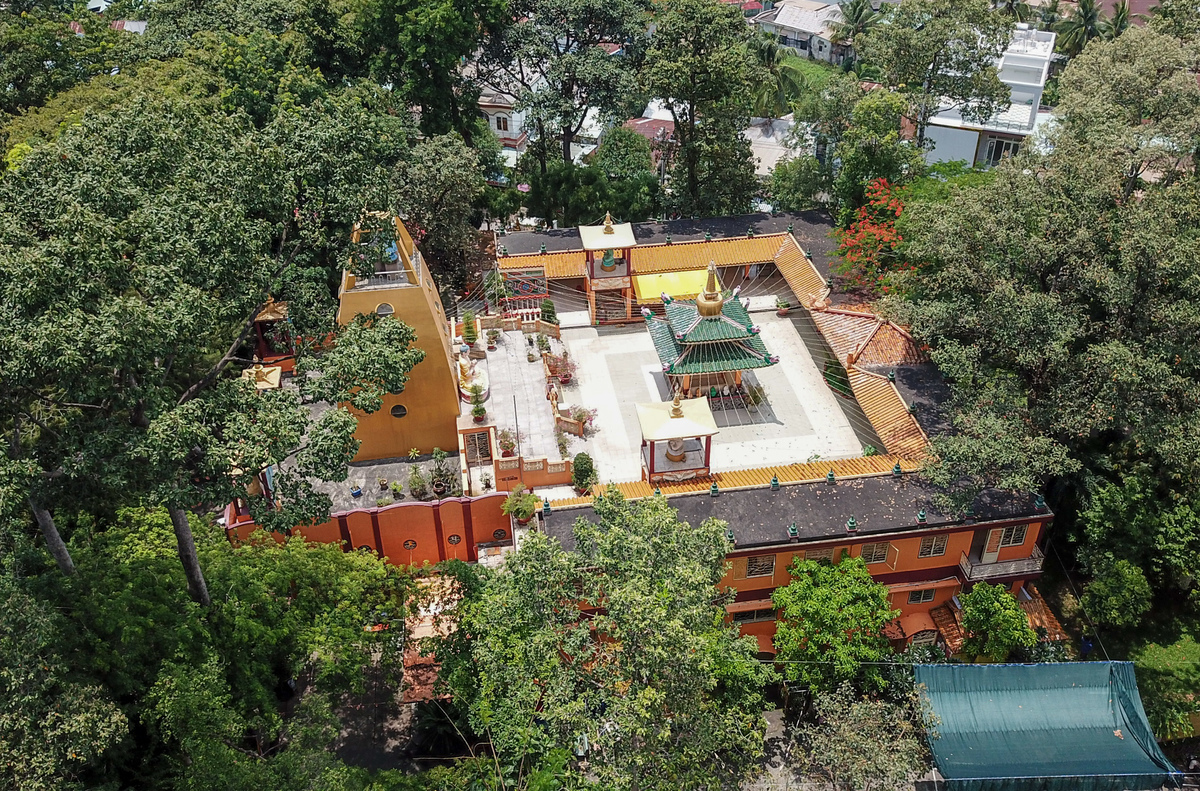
817 72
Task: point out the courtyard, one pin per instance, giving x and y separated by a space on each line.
801 418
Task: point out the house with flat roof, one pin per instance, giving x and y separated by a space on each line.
1024 68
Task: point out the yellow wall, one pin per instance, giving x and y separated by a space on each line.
431 395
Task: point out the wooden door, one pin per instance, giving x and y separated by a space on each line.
991 549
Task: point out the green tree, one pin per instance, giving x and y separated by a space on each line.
40 55
1168 676
698 65
1085 23
623 154
942 55
994 622
571 194
54 723
831 620
1118 23
621 642
858 18
1118 595
872 148
555 61
799 183
780 73
857 743
212 222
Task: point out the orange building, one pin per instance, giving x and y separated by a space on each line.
424 416
924 555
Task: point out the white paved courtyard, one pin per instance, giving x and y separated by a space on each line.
616 370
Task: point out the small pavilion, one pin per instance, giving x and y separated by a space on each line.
676 439
706 342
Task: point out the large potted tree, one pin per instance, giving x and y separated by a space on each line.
583 473
520 505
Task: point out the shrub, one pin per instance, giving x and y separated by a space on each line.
1119 595
583 471
994 622
520 504
417 484
548 314
470 334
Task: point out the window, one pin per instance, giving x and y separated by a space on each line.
1013 536
921 597
499 535
932 546
399 410
502 123
410 545
875 553
454 538
754 616
384 309
761 566
819 554
999 148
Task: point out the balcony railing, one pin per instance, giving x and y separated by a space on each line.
976 571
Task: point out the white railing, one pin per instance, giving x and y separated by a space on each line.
976 571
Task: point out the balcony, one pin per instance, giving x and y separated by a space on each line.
976 571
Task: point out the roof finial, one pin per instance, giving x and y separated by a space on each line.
676 409
608 227
710 302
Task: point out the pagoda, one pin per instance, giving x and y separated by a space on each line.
706 342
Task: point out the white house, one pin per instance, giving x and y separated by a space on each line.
1023 67
805 26
507 122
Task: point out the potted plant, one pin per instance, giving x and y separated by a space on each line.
440 474
397 490
755 395
543 343
507 440
520 505
470 333
492 336
383 484
382 501
418 486
414 454
486 478
562 441
478 413
781 307
583 473
548 313
566 369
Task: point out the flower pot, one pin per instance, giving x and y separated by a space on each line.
491 347
525 521
781 312
383 484
508 454
439 488
564 378
530 357
479 418
581 492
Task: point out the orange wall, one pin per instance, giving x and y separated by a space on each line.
474 520
431 395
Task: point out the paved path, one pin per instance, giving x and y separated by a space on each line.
511 374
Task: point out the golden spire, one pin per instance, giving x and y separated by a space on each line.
676 409
608 228
709 304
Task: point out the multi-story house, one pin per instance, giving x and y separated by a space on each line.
1023 67
805 26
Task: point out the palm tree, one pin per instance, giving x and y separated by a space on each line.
858 16
780 76
1118 23
1081 27
1017 9
1048 16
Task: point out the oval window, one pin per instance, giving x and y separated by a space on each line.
384 309
500 535
410 544
399 410
454 539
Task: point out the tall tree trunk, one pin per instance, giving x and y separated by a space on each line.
568 137
197 588
54 541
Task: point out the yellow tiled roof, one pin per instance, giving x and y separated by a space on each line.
761 476
803 278
885 408
736 251
572 263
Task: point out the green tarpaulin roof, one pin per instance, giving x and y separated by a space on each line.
1069 726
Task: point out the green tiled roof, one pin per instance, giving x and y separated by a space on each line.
709 357
733 323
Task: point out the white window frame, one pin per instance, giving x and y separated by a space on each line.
757 566
932 546
875 553
1000 147
499 120
1014 535
922 596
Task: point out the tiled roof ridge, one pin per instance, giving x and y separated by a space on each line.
733 480
672 243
